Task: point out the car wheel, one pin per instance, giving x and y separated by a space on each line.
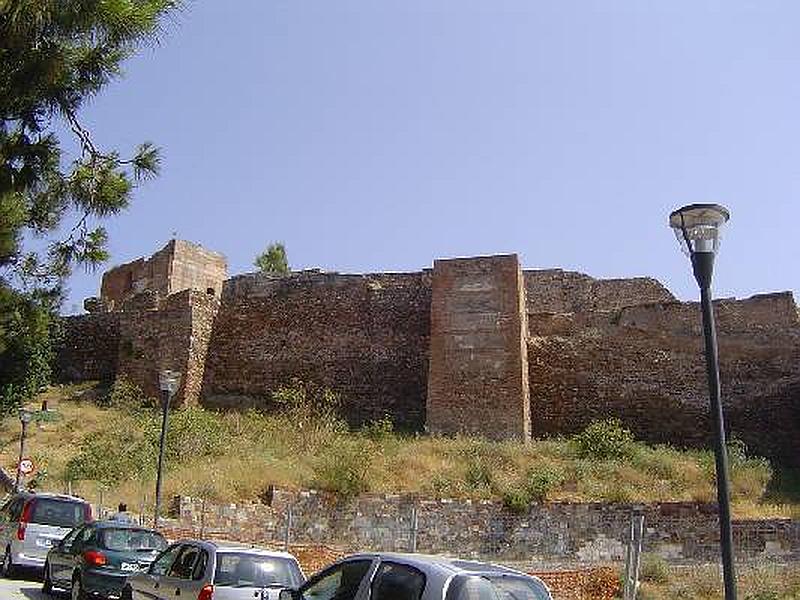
47 583
7 568
77 593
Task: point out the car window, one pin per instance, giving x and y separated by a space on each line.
394 581
200 566
59 513
340 582
496 587
131 540
184 565
85 536
247 569
69 539
163 561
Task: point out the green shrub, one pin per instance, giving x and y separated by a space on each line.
111 455
541 481
312 415
605 440
344 468
128 446
654 569
125 395
379 429
192 433
478 474
763 595
516 500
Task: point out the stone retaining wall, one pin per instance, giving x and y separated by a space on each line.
588 533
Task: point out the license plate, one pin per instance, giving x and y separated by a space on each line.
130 566
44 543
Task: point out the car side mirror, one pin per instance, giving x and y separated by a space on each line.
290 594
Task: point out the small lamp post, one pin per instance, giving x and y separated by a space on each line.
697 228
25 417
168 383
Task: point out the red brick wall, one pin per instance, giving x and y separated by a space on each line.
478 370
363 336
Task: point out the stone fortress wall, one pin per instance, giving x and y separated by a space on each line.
473 345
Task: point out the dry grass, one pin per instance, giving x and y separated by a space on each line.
763 582
233 456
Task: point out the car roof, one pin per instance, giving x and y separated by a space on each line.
228 546
444 563
52 495
111 524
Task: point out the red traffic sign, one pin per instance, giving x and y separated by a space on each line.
26 466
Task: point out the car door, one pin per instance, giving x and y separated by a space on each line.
397 581
147 586
180 582
347 580
60 559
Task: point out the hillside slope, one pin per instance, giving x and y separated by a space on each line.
107 442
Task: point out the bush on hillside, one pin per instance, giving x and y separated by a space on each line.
312 414
541 481
380 429
128 446
654 569
344 468
605 440
536 485
125 395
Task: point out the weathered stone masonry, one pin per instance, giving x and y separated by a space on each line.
586 532
474 345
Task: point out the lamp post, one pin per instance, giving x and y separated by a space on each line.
25 417
697 228
168 383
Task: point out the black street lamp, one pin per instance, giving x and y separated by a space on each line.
25 417
168 383
697 228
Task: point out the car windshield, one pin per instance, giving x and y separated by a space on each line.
240 569
496 587
58 513
131 540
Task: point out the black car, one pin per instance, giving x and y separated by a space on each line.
94 560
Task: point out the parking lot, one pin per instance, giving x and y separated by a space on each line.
25 587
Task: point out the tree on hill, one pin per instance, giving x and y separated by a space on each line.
273 259
56 55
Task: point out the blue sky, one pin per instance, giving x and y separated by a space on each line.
378 135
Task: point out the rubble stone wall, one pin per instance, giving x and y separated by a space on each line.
180 265
583 532
645 365
88 348
365 337
558 291
476 345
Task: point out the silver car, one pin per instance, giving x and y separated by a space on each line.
30 524
389 576
206 570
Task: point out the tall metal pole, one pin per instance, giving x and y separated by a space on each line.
703 264
161 447
21 453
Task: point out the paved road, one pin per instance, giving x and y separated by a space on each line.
21 589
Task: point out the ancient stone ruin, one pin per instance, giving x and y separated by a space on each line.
475 345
